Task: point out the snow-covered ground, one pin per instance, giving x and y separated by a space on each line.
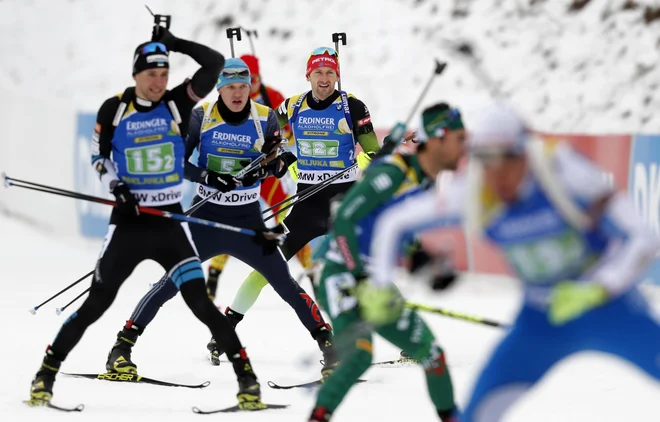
588 387
592 70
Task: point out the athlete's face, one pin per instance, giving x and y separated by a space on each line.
503 175
235 96
151 84
323 80
450 149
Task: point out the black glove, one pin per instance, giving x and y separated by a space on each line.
438 268
126 202
251 178
442 281
280 166
163 35
271 143
221 181
418 260
270 239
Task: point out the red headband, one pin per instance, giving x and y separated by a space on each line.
322 60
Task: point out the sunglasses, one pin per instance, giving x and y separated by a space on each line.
235 73
324 50
152 47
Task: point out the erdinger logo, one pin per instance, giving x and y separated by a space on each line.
316 120
148 124
223 136
147 127
327 124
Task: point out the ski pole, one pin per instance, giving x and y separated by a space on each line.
158 19
34 310
58 311
250 33
231 32
146 210
457 315
400 128
336 38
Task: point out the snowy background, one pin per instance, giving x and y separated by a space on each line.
593 69
589 69
569 66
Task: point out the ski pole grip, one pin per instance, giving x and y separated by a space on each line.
339 37
166 19
231 32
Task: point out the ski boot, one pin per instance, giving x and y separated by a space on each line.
119 358
213 347
41 390
249 390
323 336
320 414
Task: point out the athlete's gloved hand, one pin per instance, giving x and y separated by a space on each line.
223 182
364 159
271 143
270 239
163 35
438 269
379 305
253 176
279 166
570 300
126 202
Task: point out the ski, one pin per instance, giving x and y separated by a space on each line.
258 407
135 378
271 384
78 408
401 361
